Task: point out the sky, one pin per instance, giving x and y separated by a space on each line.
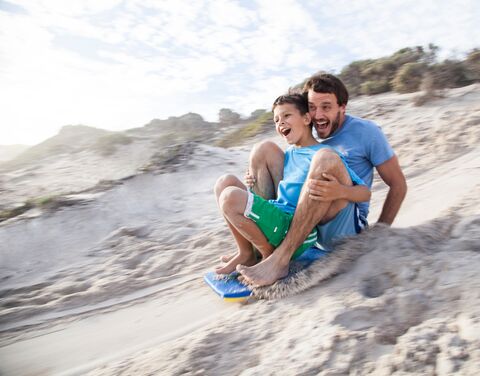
117 64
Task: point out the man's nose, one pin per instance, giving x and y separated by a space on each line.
318 113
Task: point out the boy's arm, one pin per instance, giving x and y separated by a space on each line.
331 190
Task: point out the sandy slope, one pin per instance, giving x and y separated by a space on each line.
113 286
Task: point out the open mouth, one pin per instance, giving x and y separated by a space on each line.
285 131
322 124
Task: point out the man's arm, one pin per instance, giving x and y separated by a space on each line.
392 175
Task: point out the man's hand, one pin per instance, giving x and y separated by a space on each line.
249 179
325 190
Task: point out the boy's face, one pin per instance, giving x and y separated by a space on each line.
291 124
326 114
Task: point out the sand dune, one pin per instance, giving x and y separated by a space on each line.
112 284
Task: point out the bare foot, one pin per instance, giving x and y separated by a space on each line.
227 258
234 261
264 273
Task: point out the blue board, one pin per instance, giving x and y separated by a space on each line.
229 288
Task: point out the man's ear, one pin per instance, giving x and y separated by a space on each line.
343 108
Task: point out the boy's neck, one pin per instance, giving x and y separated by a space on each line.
309 142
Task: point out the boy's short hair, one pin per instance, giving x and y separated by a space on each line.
327 83
298 100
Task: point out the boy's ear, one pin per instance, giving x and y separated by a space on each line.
308 118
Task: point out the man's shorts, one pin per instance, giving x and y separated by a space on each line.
274 222
348 222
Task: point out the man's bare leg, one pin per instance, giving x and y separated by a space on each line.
232 202
266 165
307 215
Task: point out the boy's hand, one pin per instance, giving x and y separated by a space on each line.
325 190
249 179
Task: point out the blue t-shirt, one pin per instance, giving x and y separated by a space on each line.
295 171
364 146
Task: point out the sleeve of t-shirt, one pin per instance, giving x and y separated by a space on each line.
355 178
379 150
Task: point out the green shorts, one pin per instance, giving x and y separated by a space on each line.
274 222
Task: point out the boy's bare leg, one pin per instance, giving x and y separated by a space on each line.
222 183
232 202
266 166
307 215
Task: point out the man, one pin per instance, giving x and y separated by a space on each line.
364 147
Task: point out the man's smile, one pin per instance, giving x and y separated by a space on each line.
322 124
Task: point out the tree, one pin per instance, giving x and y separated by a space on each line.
228 117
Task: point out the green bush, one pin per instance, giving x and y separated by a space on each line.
409 77
449 74
374 87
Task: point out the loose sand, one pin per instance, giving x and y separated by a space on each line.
112 284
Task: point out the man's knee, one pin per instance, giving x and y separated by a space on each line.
230 198
223 182
325 160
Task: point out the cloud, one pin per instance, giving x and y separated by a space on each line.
115 64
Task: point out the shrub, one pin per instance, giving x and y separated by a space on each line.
409 77
374 87
472 65
228 117
429 91
107 145
449 74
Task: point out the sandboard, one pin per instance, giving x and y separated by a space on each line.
229 288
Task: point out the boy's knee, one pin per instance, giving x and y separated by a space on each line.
223 182
228 198
264 149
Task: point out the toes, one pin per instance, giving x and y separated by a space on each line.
226 258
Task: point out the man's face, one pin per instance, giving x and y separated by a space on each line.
326 114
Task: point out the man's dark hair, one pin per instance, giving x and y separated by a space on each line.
298 100
327 83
